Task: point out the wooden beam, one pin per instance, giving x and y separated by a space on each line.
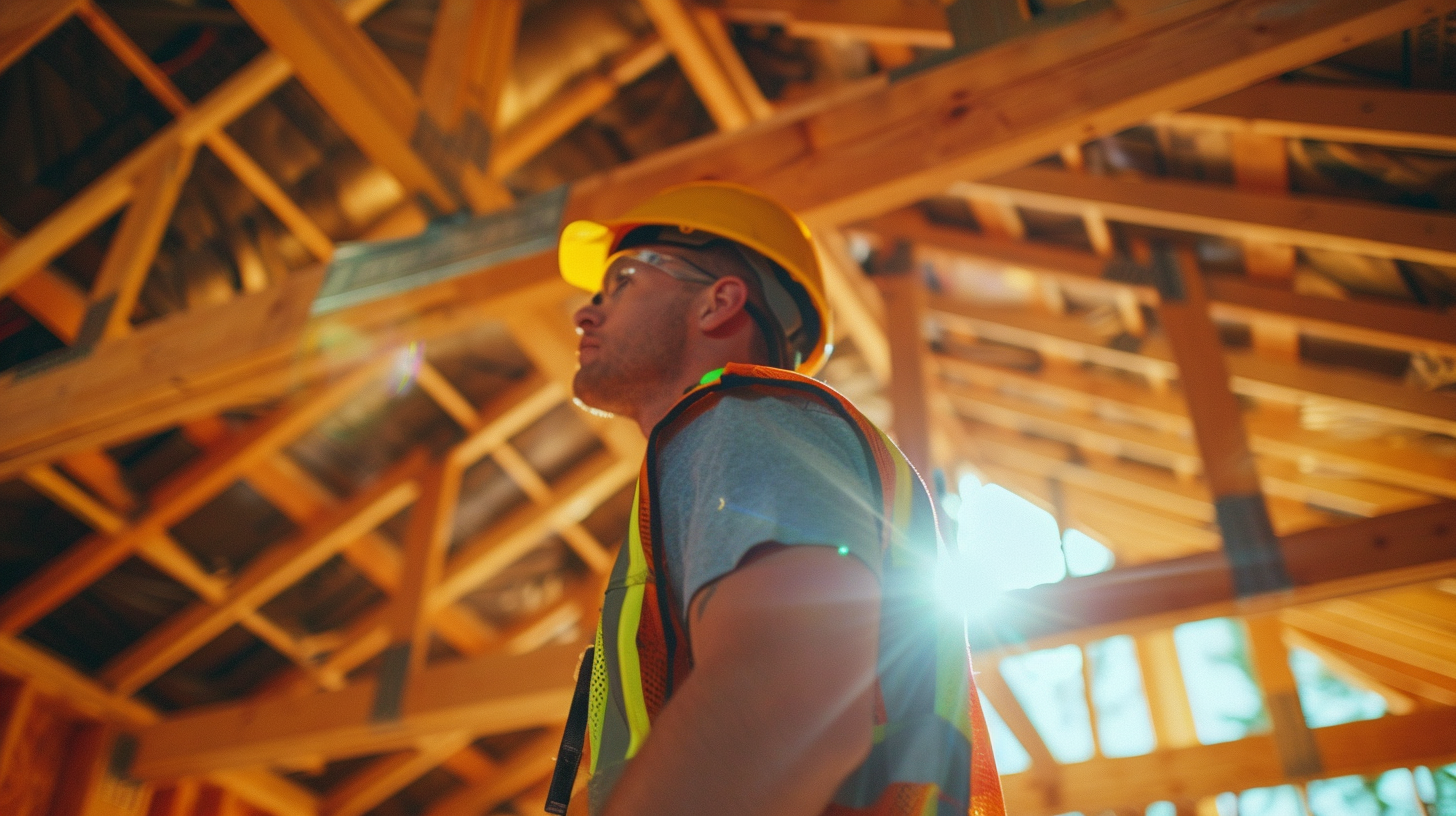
570 107
903 22
26 23
858 307
904 296
267 575
484 695
720 43
186 491
432 520
129 258
1387 551
1304 220
259 347
1400 118
1276 430
352 80
1218 426
989 112
1366 748
707 75
469 61
1298 753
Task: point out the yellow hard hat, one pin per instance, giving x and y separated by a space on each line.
730 211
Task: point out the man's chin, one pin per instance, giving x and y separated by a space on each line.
590 396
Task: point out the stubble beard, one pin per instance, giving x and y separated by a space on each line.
619 384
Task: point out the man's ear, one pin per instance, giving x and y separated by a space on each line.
721 304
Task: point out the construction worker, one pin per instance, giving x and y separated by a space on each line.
769 643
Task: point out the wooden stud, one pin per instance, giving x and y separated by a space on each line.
431 522
881 22
1044 767
103 477
17 700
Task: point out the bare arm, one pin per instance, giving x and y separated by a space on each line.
779 707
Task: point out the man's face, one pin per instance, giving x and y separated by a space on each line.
632 336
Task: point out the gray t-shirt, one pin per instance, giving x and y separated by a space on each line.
757 468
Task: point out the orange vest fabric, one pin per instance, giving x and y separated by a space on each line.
931 751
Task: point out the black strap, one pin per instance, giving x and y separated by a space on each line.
568 759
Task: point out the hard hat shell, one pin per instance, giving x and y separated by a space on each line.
728 210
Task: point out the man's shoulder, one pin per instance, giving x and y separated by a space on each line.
769 411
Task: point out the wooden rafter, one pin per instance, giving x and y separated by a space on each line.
1311 221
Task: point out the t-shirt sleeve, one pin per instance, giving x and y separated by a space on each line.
757 469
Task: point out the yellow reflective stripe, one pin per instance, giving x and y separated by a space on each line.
952 682
628 663
904 498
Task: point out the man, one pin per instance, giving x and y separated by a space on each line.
769 643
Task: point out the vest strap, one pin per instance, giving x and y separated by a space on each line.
568 758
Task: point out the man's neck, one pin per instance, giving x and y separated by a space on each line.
655 406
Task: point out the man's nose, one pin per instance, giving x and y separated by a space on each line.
587 317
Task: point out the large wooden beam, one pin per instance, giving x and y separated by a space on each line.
1304 220
1365 748
1408 119
484 695
1393 550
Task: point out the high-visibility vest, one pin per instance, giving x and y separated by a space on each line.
931 752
